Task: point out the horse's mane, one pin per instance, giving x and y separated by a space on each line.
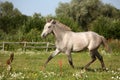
63 26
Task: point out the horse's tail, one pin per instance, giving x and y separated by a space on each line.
105 44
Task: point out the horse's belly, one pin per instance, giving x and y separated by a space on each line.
79 46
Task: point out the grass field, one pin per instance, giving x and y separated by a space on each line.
28 66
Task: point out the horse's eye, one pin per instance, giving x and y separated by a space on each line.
49 26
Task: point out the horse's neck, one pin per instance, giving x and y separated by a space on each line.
59 34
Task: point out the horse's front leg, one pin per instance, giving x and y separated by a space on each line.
51 56
70 59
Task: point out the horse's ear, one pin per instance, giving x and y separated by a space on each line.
48 20
53 21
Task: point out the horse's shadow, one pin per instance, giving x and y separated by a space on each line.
90 69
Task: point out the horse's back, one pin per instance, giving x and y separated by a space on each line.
81 40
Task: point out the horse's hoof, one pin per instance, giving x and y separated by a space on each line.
105 69
83 70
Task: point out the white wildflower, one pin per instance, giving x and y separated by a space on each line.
95 70
112 77
20 73
115 73
22 77
117 77
78 75
86 76
112 71
15 75
1 77
82 71
45 76
73 74
107 69
118 69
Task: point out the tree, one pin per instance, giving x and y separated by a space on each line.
63 9
11 18
86 11
82 11
107 27
7 9
36 21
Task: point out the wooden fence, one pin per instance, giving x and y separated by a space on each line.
25 45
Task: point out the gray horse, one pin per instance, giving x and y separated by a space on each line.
68 41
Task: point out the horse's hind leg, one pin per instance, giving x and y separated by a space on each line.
92 54
100 59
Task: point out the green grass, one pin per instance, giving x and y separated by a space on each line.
28 66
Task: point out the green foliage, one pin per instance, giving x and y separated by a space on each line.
107 27
37 21
84 12
2 35
101 25
115 29
33 35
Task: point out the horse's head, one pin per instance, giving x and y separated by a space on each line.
48 28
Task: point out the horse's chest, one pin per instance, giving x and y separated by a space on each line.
61 46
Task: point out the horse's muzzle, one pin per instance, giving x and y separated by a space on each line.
43 35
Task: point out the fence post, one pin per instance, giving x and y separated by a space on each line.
3 46
47 46
25 43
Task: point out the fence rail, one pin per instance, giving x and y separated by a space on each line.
25 45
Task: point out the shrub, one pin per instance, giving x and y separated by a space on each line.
108 27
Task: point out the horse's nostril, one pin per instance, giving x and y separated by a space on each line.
43 35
